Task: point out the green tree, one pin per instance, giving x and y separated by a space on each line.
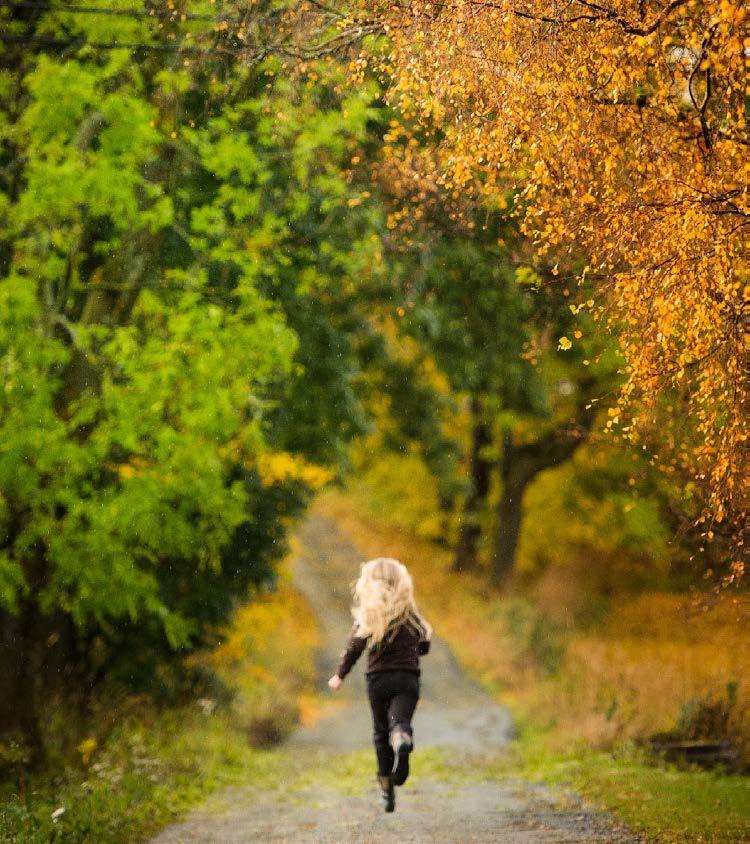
179 247
493 327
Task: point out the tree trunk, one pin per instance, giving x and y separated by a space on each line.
470 532
508 528
20 651
26 684
446 506
22 643
519 465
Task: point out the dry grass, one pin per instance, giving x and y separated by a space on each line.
267 656
626 677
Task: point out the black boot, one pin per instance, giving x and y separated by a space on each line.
387 793
402 746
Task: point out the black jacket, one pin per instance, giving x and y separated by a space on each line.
399 651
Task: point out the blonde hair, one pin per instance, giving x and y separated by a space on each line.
384 601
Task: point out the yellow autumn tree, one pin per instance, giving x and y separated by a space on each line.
622 125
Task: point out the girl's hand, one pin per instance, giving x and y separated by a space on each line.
335 682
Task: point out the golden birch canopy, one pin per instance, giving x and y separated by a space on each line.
622 126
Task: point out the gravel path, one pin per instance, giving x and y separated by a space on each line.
454 714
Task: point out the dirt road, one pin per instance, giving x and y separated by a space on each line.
326 801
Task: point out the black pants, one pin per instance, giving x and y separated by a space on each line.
393 698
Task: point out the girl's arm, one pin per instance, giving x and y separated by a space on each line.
351 653
425 640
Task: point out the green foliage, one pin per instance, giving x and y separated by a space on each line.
179 258
388 483
471 313
146 484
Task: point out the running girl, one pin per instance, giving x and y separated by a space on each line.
387 621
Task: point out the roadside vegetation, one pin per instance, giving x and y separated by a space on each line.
147 765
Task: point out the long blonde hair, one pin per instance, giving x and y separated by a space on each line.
384 601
